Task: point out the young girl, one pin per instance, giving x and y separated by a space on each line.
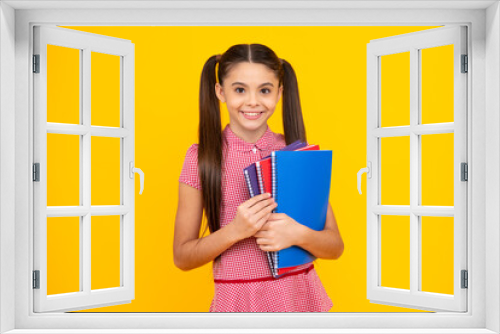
242 229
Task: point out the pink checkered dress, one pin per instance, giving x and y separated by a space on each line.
242 278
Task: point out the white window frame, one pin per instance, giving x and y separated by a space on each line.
123 51
483 144
414 43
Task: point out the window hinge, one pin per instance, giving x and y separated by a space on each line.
465 279
36 279
465 172
36 172
465 63
36 63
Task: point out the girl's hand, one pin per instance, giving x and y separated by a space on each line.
280 231
252 214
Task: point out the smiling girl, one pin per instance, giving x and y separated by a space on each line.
252 80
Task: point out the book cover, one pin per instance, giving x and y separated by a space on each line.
301 186
308 148
265 174
251 180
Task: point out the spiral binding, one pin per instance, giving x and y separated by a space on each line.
274 181
259 177
275 255
247 179
270 261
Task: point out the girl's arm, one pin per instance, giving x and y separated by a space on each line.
190 251
281 231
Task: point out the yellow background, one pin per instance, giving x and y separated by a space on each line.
330 63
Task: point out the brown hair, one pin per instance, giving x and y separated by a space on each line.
210 128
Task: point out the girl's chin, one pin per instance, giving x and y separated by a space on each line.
247 125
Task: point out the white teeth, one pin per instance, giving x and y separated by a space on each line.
252 113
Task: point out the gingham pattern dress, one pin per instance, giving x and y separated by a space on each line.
242 278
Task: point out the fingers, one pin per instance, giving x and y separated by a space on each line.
268 204
262 241
263 220
256 199
263 210
278 215
267 248
261 234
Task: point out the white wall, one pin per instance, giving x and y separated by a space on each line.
492 163
491 156
7 162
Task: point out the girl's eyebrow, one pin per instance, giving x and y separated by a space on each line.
241 83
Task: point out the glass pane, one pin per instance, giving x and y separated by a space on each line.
105 89
395 170
63 85
395 89
63 169
437 84
63 255
437 254
105 170
395 251
437 169
105 250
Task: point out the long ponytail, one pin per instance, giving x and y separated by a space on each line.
293 123
210 145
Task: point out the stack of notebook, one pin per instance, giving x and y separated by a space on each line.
298 177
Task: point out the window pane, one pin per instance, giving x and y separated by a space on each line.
437 169
63 255
105 77
395 89
105 170
63 85
105 250
63 169
395 251
395 170
437 254
437 84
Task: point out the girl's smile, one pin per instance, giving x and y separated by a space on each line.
252 115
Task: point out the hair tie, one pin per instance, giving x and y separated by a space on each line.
217 58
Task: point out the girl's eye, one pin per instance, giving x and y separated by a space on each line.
265 89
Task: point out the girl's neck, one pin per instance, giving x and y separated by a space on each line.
249 136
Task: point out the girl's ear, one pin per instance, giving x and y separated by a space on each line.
219 92
280 92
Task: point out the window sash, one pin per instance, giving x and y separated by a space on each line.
86 297
414 43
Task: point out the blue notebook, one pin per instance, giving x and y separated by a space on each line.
301 187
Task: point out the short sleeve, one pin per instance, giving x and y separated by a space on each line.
189 173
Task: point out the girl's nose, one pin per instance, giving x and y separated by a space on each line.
252 99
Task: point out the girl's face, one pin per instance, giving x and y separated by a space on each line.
251 93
